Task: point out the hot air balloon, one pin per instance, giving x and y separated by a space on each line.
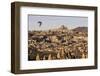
40 23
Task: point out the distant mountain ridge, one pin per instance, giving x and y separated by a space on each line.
81 29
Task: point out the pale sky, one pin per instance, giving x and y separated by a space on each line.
51 22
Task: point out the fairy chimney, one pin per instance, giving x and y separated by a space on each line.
37 57
49 57
44 58
58 55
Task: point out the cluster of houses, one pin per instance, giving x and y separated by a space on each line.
60 43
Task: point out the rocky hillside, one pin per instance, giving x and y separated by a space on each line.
60 43
81 29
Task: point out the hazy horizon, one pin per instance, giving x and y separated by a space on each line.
51 22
